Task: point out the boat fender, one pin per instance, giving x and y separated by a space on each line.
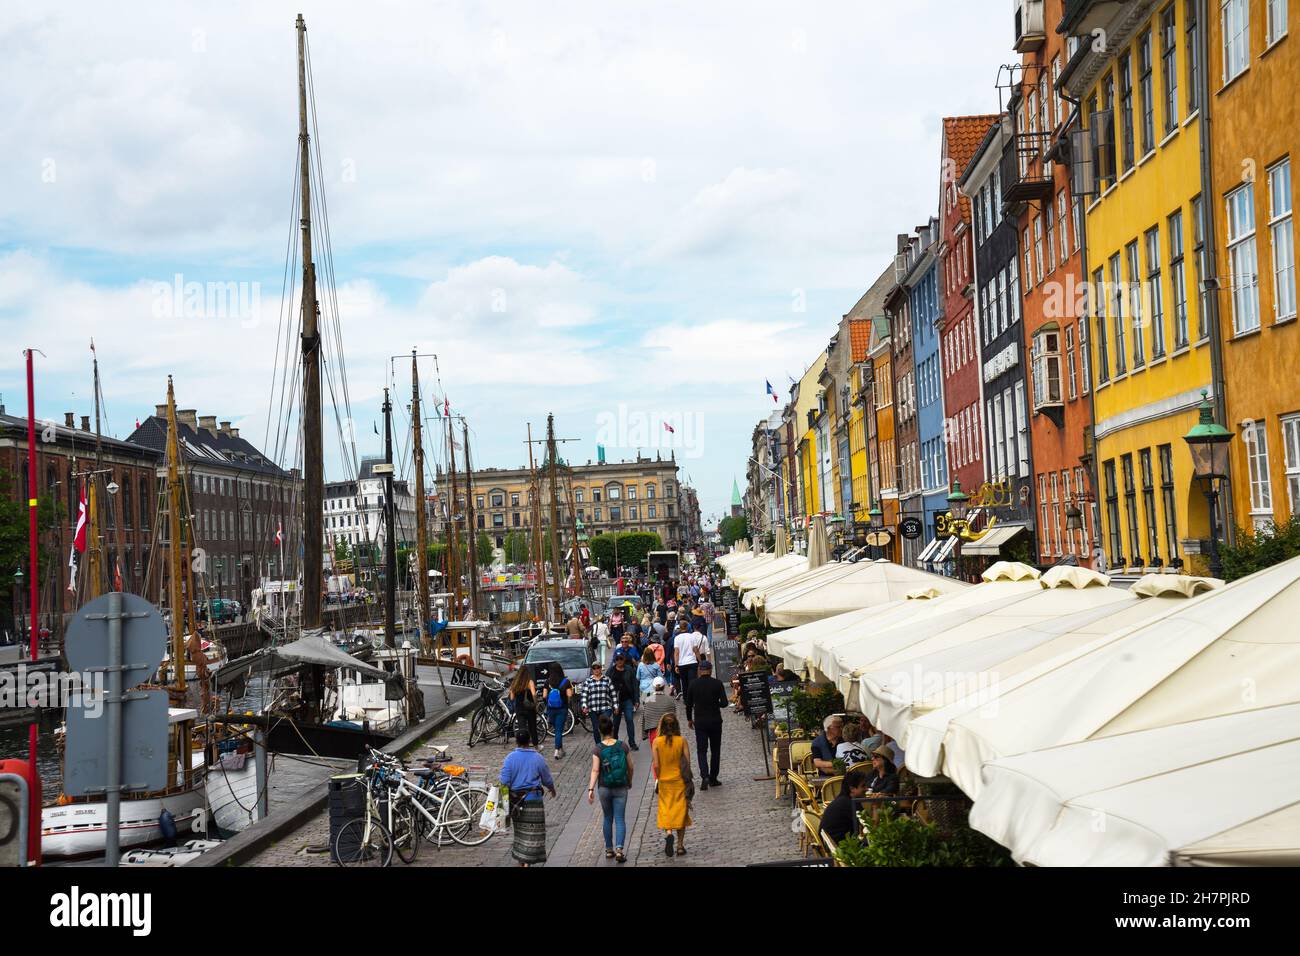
167 824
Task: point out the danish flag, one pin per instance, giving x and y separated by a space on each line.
79 534
279 532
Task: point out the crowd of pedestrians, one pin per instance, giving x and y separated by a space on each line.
645 660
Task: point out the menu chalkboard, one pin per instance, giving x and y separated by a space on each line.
755 696
726 655
733 622
782 694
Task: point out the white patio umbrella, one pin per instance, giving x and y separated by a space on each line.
1231 649
1157 795
746 561
865 584
762 566
803 582
1016 604
816 640
970 664
819 550
781 573
782 547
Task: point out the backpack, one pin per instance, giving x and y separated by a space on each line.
555 696
613 766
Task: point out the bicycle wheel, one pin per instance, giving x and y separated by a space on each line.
462 809
363 842
431 829
478 726
406 832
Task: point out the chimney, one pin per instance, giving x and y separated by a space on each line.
85 423
188 416
234 433
209 424
69 420
225 428
160 411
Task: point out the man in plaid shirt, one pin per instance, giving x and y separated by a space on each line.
597 696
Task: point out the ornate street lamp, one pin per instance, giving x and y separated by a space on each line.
958 502
1208 443
877 519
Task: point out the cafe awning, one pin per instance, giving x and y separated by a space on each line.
1161 793
991 544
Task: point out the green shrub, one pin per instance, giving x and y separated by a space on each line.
815 704
903 841
1259 549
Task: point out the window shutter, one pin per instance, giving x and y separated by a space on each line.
1083 170
1103 141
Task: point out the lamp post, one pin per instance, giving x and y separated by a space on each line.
18 606
1208 443
876 518
958 501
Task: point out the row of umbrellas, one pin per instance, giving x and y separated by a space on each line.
1091 724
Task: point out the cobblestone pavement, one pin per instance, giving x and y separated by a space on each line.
738 823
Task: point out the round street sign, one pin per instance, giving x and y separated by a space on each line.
144 638
910 528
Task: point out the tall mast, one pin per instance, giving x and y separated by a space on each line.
390 543
577 549
556 560
535 506
313 489
421 543
453 562
472 542
94 552
174 536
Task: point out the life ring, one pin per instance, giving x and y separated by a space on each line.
464 659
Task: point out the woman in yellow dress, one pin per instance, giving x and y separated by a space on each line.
672 765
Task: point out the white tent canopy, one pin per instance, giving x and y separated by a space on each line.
992 608
814 642
798 585
869 583
1160 793
1229 650
742 561
749 575
969 666
776 579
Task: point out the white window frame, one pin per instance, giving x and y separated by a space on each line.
1275 28
1235 30
1291 458
1254 438
1282 240
1244 292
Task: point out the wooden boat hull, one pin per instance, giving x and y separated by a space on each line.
80 829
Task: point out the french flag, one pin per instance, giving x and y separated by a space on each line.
771 391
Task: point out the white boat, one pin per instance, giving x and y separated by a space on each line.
171 856
79 828
232 792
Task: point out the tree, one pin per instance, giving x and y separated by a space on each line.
14 539
633 546
516 547
342 549
483 549
733 529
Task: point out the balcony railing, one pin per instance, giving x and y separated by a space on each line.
1030 35
1025 176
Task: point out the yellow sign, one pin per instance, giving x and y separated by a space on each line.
992 494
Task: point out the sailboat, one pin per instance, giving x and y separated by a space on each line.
323 701
78 826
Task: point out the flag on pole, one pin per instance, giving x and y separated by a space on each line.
79 533
669 428
771 391
117 576
279 532
446 406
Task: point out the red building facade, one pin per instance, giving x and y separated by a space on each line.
958 329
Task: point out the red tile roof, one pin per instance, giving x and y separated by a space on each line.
962 136
859 337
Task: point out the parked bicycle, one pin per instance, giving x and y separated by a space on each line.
494 720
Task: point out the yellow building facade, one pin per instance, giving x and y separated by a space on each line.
1254 69
809 400
1149 339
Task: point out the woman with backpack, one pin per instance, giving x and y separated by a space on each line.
558 695
523 694
611 778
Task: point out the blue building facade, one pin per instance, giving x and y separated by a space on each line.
926 314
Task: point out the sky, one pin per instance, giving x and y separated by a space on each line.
626 214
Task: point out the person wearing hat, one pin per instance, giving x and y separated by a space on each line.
706 698
883 777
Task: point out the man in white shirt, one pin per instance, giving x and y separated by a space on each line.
688 649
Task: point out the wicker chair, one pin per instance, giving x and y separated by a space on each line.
812 835
806 765
804 795
831 847
830 789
